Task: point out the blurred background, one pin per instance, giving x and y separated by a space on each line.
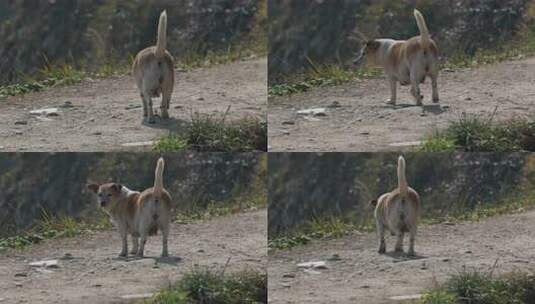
34 184
307 186
319 29
90 34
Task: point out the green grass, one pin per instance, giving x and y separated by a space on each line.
336 227
209 133
49 76
484 288
327 75
471 133
202 285
51 227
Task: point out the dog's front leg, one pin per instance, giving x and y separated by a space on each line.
147 107
415 87
124 237
435 88
135 244
399 242
411 241
393 89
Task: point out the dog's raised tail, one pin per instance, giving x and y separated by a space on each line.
161 43
158 177
425 38
403 186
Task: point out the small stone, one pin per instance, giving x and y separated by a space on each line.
21 274
335 104
335 257
45 263
286 285
313 112
288 123
200 251
67 104
468 98
21 122
45 112
365 286
364 133
286 133
313 265
97 285
468 251
446 260
200 99
97 133
288 275
405 298
138 296
18 133
18 284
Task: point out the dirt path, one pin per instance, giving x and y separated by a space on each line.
358 119
106 114
90 271
363 276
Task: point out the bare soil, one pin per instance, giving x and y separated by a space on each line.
106 114
90 270
361 275
358 118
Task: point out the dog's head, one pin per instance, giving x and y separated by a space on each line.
107 194
368 52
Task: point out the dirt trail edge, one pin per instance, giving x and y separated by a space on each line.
90 271
361 275
358 118
106 114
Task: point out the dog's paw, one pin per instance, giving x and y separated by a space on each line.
123 255
150 120
411 253
165 115
398 250
436 100
165 254
391 102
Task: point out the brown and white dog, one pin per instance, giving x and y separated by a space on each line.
154 71
398 212
405 61
138 214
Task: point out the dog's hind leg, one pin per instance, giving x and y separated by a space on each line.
381 235
166 99
416 78
393 89
164 227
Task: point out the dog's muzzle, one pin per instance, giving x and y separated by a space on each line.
103 204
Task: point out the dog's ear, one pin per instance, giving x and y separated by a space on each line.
93 187
373 44
117 187
373 202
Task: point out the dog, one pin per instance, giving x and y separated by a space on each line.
138 214
154 72
405 61
398 211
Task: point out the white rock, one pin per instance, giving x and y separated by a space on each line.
313 112
45 112
313 265
406 144
405 298
139 144
137 296
46 263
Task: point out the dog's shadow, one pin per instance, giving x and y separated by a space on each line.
403 257
435 109
171 124
170 260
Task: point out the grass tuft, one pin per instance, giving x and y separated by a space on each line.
208 133
206 286
483 288
51 227
471 133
